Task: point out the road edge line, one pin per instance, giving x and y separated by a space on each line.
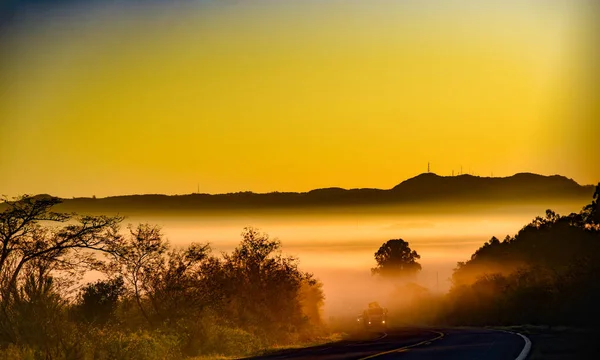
526 349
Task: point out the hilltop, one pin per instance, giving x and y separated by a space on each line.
425 188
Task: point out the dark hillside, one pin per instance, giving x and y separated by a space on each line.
425 188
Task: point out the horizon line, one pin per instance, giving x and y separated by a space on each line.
313 189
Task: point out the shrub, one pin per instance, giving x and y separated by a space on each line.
14 352
141 345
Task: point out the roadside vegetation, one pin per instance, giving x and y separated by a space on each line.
153 301
547 274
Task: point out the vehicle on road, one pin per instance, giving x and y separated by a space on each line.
375 317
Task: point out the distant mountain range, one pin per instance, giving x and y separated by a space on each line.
425 188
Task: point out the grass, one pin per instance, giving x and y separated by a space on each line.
315 342
276 348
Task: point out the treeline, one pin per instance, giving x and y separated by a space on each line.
547 274
153 302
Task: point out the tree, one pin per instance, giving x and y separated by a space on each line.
178 287
264 287
136 258
395 259
592 211
25 244
98 301
312 300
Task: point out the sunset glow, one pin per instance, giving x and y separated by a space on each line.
291 96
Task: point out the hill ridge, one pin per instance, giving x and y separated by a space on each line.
426 188
341 189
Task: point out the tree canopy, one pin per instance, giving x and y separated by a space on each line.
395 259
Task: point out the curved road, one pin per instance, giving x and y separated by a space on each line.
417 344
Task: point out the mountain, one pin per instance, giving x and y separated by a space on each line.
522 185
425 188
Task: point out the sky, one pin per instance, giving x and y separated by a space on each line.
128 97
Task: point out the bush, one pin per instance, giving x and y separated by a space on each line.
14 352
210 335
141 345
230 341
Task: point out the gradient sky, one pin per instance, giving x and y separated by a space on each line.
127 98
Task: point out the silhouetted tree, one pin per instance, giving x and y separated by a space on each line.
137 257
592 211
395 259
98 301
37 315
312 300
264 286
25 244
178 286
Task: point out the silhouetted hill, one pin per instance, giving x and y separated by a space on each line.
522 185
423 189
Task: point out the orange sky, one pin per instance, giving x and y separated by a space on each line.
294 95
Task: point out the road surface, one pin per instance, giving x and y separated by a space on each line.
416 344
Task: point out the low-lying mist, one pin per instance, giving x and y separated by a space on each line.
338 246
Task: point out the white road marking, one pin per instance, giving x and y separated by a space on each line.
368 341
405 348
526 349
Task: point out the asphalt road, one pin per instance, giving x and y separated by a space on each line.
416 344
